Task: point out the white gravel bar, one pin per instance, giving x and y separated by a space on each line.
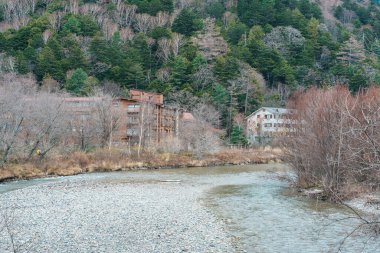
96 216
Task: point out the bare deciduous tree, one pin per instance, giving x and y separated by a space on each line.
203 78
46 35
14 10
30 120
109 28
72 6
126 34
12 112
143 22
161 19
107 118
55 19
176 43
199 134
163 51
181 4
285 39
336 145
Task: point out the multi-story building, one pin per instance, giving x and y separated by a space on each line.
268 122
141 114
145 115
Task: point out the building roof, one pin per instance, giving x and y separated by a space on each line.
272 110
81 99
188 116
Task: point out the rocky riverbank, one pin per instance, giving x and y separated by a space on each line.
94 216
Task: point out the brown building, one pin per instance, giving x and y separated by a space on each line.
145 114
142 114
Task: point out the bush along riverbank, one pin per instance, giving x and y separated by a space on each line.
104 160
334 150
334 144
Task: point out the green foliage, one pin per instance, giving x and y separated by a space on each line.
275 13
21 63
226 68
55 5
152 7
88 26
1 13
189 51
74 57
160 32
72 25
81 25
79 48
235 31
238 136
187 22
179 76
357 81
77 83
48 63
215 9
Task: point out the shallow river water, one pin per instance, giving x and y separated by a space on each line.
259 210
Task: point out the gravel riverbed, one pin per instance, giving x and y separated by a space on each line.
96 216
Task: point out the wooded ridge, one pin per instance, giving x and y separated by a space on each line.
233 55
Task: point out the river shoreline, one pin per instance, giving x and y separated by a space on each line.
82 163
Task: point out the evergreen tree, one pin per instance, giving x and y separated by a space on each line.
235 31
187 22
77 83
72 25
179 76
21 63
238 136
357 81
47 63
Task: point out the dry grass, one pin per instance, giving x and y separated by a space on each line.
116 160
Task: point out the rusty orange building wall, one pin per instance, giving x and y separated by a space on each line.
143 96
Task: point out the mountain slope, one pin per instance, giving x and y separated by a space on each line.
215 51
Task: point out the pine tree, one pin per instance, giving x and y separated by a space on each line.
238 136
47 63
76 84
179 75
187 23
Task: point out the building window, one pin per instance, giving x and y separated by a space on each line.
132 132
268 124
134 107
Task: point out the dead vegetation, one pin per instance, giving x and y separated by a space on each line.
336 140
105 160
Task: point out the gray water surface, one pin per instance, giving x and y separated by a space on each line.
258 208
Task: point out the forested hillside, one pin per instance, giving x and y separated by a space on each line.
234 55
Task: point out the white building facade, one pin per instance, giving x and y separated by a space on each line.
267 123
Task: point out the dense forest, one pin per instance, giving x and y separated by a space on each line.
233 55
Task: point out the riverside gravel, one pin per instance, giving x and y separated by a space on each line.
90 215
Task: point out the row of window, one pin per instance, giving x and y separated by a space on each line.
273 116
133 107
275 125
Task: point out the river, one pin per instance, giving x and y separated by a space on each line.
258 209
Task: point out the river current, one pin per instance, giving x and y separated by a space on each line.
260 211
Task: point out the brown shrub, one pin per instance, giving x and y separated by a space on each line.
335 139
